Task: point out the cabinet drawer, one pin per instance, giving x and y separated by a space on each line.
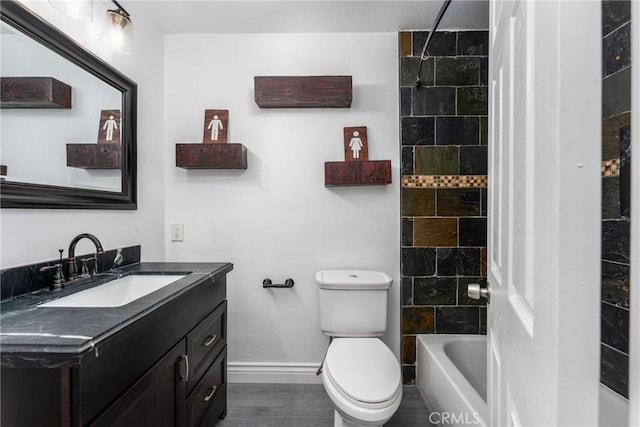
204 342
206 401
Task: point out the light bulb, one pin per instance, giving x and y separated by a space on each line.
117 31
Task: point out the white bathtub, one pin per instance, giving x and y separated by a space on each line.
451 374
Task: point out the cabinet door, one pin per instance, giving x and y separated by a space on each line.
155 400
34 397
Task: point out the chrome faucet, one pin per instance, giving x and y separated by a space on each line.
72 266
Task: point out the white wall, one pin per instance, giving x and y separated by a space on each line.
34 235
276 219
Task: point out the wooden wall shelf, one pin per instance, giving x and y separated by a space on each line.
34 92
94 156
366 172
303 91
211 156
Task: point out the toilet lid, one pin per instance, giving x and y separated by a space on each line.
365 369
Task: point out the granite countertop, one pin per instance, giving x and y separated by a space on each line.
66 334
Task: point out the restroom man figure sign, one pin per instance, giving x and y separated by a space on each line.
216 126
356 146
109 128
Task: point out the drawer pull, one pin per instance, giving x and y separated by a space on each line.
185 376
209 340
210 395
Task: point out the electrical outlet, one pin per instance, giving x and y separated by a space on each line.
177 232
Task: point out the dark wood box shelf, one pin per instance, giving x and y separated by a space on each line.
34 92
94 156
303 91
366 172
211 156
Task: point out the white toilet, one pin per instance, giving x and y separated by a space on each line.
360 373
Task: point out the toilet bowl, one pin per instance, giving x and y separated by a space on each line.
363 380
360 373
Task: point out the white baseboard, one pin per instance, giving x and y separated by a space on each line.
265 372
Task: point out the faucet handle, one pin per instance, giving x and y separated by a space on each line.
84 269
58 276
119 259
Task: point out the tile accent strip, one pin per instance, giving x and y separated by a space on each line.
444 181
611 167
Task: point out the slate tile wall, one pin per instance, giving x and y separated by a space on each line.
616 157
443 195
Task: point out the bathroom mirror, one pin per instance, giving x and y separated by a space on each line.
34 140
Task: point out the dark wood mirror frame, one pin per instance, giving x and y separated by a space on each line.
22 195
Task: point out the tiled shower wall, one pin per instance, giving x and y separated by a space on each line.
616 158
444 179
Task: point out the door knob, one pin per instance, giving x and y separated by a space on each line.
475 291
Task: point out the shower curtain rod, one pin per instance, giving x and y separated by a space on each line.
443 8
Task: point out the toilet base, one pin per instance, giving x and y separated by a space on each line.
340 421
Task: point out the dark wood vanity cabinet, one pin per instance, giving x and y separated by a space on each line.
187 387
167 368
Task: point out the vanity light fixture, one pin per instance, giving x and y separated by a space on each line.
80 10
117 31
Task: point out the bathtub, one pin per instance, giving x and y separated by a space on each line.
451 374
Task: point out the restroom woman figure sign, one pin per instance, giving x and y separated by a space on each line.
356 147
216 126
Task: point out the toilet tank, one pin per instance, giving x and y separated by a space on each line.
353 303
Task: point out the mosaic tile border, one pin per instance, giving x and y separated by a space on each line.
611 167
444 181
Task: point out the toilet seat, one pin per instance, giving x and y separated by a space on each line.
364 371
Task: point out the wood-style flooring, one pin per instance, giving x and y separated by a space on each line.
304 405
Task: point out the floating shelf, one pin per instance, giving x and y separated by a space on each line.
366 172
34 92
94 156
211 156
303 91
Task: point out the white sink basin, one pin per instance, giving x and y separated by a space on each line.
116 293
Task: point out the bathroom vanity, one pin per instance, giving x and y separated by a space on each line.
159 360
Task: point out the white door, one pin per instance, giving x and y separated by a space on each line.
544 212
